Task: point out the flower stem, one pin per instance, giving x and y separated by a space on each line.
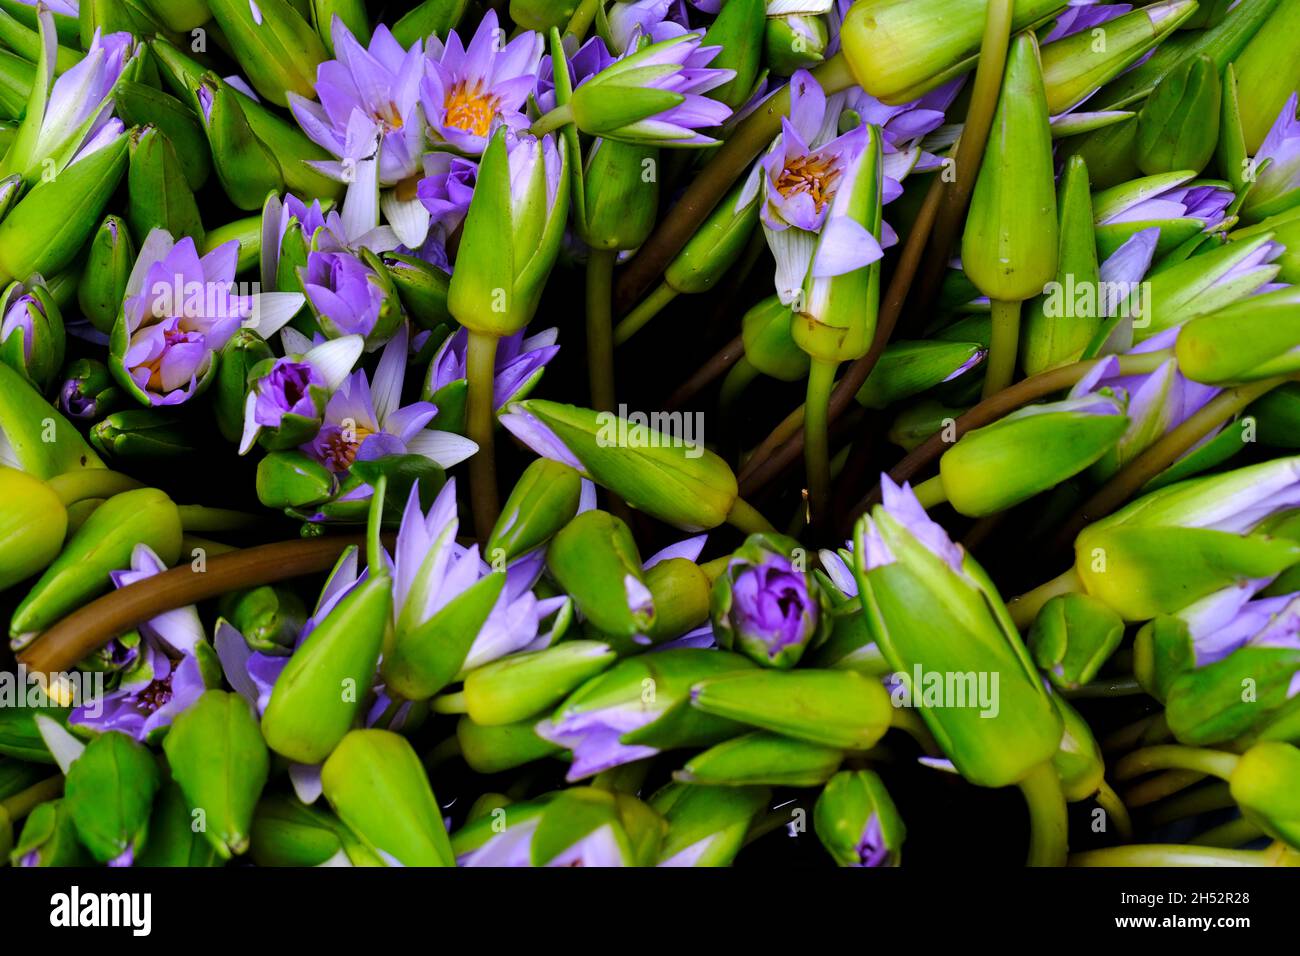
375 563
1164 854
816 426
600 330
931 492
87 483
1000 369
1229 835
25 801
549 122
580 22
449 704
1214 763
480 427
747 518
1161 787
1109 801
727 356
649 307
1025 608
1048 823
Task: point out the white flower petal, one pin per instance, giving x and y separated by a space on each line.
335 359
444 449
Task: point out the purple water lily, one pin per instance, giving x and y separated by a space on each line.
650 18
1083 15
518 360
1206 202
286 390
903 129
1277 186
447 187
325 231
344 293
465 89
1234 618
585 62
771 604
902 505
872 849
592 736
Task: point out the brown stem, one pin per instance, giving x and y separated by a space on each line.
727 356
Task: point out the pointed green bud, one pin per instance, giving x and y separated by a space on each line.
590 827
501 747
835 708
286 832
277 48
762 759
1268 69
907 368
1109 152
102 545
899 49
243 352
290 479
857 822
109 792
320 692
917 423
1072 637
217 755
66 27
33 522
594 559
716 245
621 193
39 439
246 167
141 105
49 838
35 342
769 344
376 784
1009 247
1219 702
1078 760
1178 128
739 29
521 685
544 500
681 594
143 434
1264 784
108 267
1252 339
1077 65
440 17
706 825
1028 452
795 42
422 287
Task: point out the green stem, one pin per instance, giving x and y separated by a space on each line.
580 22
204 520
549 122
1026 607
816 426
734 385
1048 823
87 483
1117 687
189 542
931 492
374 527
647 309
747 518
480 428
1213 796
1230 835
1213 763
910 723
1109 801
25 801
1000 368
1161 786
1161 854
600 330
449 704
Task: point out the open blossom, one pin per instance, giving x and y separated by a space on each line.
343 292
518 360
466 88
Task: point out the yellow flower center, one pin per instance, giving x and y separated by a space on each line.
341 448
470 108
389 115
814 175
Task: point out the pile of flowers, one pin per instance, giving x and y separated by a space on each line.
646 426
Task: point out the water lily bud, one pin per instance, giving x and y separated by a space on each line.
857 822
1252 339
286 400
291 479
544 500
521 685
769 345
32 339
669 477
621 194
1009 246
109 792
1210 705
739 29
422 288
245 165
681 593
639 707
585 826
33 522
1077 65
352 295
1028 452
406 826
1178 128
917 423
1184 541
899 49
1078 760
269 617
1110 153
766 605
594 559
159 195
244 351
542 15
322 688
139 104
108 267
40 440
49 838
835 708
142 434
706 825
501 747
353 15
764 759
89 391
1163 650
935 612
1264 785
286 832
102 545
511 234
216 754
277 48
715 246
441 17
1072 637
1268 72
907 368
795 42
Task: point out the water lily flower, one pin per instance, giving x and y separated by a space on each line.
447 187
583 63
519 360
1234 618
179 311
766 607
466 89
32 338
1277 187
1083 15
346 294
314 229
289 397
651 18
903 130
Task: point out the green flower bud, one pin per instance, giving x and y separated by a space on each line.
180 15
501 747
907 368
33 522
594 559
32 339
899 49
1109 152
268 617
739 29
421 286
917 423
277 48
172 840
1072 637
101 545
587 826
717 244
706 825
245 165
521 685
762 759
109 793
108 267
1009 247
621 194
286 832
1075 66
1264 785
835 708
769 344
1178 128
217 755
1162 651
320 692
243 352
681 594
1221 701
542 15
1249 340
159 195
351 12
376 784
1028 452
440 17
142 434
857 822
544 500
1267 69
796 42
290 479
1078 760
49 838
